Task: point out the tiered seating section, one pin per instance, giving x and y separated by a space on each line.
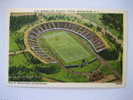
94 40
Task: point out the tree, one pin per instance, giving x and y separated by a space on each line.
114 21
16 22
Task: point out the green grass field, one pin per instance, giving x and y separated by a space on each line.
65 46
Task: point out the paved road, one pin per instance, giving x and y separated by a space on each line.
17 52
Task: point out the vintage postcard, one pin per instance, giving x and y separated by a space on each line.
67 48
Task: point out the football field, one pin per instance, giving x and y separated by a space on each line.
65 46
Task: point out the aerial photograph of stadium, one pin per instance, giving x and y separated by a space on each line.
66 47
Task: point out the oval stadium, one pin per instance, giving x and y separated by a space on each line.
55 40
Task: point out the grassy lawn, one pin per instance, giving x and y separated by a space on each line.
16 39
94 17
87 68
65 46
67 77
18 60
